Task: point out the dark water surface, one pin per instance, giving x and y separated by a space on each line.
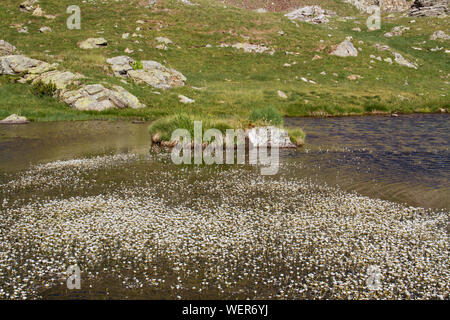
404 159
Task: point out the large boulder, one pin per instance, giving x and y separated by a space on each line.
152 73
157 75
269 137
6 48
17 64
121 65
345 49
98 98
61 79
93 43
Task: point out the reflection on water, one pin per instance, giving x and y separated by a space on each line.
404 159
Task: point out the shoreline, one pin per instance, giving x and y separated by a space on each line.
138 121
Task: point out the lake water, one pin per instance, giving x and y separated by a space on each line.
362 192
404 159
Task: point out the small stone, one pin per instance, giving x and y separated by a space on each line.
163 40
93 43
185 100
14 119
156 138
45 30
282 95
354 77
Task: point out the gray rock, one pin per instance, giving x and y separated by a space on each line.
17 64
282 95
163 40
61 79
345 49
386 5
28 5
185 100
429 8
158 76
6 48
14 119
396 31
269 137
98 98
93 43
439 35
402 61
45 30
121 65
313 14
253 48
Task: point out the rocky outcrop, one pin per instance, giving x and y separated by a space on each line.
6 48
439 35
385 5
253 48
28 5
429 8
93 43
152 73
345 49
61 79
18 64
88 97
398 58
313 14
14 119
121 65
402 61
98 98
32 6
269 137
396 31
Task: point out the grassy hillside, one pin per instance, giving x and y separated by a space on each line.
233 83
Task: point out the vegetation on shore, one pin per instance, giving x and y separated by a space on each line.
226 83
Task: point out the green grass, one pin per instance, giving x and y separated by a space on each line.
297 135
234 83
268 115
165 126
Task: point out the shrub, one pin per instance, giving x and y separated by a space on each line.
295 134
44 89
269 115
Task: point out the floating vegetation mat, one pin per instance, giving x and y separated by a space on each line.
140 227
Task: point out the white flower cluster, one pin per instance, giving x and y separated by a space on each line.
155 230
